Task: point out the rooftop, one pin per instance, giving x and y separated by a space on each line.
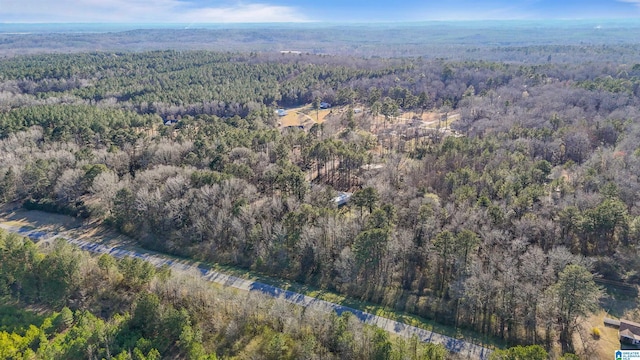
630 327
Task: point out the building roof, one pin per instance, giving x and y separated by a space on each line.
342 198
612 322
630 329
629 335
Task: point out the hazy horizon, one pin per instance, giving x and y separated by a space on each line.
99 27
301 11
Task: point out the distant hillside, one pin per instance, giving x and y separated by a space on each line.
498 41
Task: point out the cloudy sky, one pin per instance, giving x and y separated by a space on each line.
215 11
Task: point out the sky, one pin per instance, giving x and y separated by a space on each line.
265 11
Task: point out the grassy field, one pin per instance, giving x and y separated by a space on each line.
293 118
303 115
599 348
11 216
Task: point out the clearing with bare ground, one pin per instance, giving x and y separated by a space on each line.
306 116
303 116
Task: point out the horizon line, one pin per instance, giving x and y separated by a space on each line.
375 22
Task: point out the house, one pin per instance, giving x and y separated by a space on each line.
324 105
169 122
281 112
629 333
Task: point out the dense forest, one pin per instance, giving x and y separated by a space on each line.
126 309
500 224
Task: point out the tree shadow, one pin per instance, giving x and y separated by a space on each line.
617 303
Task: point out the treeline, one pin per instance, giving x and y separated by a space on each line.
100 307
484 230
189 83
171 83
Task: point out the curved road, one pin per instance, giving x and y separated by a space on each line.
466 349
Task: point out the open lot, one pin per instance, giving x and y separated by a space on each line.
306 116
429 118
12 215
602 347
